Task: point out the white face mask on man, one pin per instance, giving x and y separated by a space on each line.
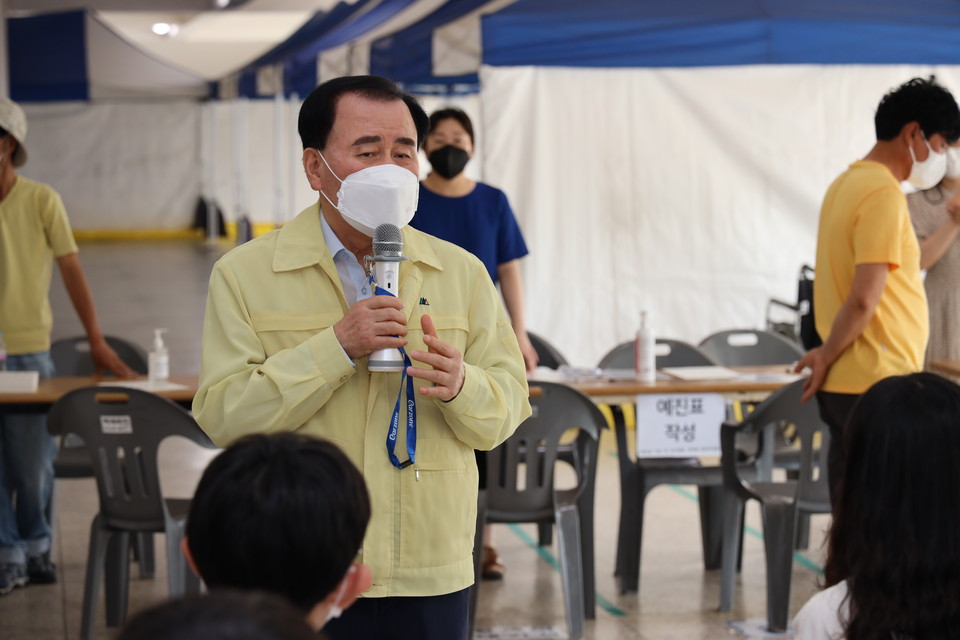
384 194
929 173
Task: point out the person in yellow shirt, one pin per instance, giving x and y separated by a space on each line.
33 232
291 319
869 303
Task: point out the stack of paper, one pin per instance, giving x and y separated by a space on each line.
19 381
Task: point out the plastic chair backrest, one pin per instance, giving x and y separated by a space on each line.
669 353
782 416
530 497
547 355
123 429
750 347
71 356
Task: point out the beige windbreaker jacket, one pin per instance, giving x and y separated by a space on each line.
271 362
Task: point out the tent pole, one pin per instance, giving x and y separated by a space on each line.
4 59
279 158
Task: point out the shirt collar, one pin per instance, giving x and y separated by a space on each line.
334 246
304 242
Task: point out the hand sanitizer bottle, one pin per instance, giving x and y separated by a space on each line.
159 362
645 351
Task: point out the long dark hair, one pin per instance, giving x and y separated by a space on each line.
895 536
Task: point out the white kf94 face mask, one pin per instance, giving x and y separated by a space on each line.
929 173
384 194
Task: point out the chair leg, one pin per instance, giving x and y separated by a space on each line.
571 569
117 570
91 582
629 536
803 532
585 507
176 563
144 551
711 525
545 533
732 538
779 522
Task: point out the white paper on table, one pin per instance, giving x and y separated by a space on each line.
144 385
702 373
19 381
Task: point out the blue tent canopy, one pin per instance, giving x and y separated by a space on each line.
406 56
612 33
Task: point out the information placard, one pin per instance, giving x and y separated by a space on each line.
679 425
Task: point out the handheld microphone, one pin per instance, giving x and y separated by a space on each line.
387 250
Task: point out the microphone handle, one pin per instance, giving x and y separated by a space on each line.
387 275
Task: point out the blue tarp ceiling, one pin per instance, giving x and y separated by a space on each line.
574 33
614 33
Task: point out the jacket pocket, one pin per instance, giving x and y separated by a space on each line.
279 330
452 328
438 510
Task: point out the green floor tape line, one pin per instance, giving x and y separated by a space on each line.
799 559
604 604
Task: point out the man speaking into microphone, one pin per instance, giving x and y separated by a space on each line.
291 319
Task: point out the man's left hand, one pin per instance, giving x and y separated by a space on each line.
106 359
447 374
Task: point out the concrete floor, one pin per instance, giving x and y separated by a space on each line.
142 285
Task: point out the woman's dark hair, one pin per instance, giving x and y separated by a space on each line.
284 513
224 615
895 536
451 113
921 101
319 110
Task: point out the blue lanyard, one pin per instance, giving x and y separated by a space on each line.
411 406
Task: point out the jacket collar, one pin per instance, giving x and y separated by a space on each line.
300 244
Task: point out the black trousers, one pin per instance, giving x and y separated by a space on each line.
427 618
835 410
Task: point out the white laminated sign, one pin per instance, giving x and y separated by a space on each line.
679 425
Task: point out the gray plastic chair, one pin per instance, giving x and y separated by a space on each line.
750 347
638 476
123 429
780 415
71 357
520 488
669 353
547 354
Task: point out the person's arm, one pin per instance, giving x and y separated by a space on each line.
853 317
511 286
936 244
77 288
242 391
492 399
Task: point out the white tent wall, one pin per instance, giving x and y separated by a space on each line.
126 166
691 193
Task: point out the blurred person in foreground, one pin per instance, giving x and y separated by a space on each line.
283 513
224 615
893 557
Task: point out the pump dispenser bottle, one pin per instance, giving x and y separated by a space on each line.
159 363
645 351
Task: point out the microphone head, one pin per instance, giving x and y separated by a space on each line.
387 240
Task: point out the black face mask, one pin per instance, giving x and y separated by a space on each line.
448 161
